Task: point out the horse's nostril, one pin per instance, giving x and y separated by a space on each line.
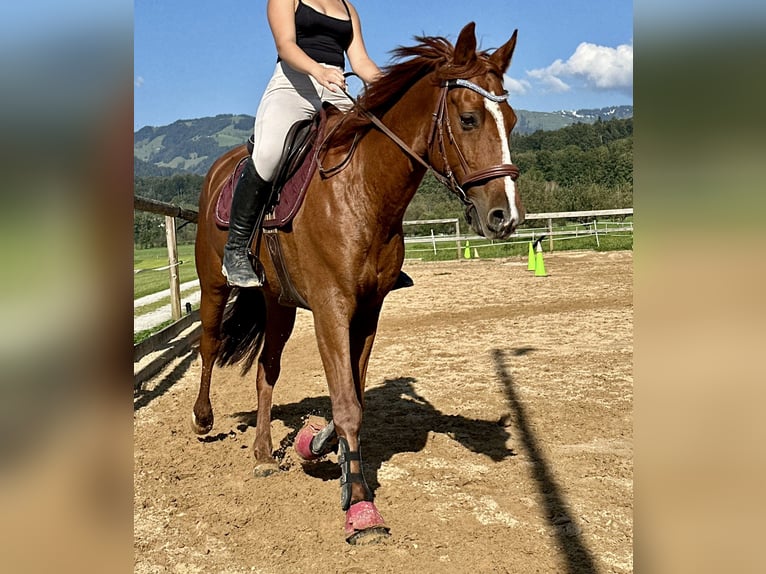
498 219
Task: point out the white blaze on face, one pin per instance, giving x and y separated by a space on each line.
510 187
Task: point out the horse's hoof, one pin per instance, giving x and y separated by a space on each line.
364 524
303 440
265 469
369 536
199 428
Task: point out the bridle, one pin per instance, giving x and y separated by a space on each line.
441 124
440 135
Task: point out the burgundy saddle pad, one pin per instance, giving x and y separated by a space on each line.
290 196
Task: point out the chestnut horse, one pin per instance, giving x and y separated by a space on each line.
343 251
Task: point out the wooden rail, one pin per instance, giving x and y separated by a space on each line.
155 366
576 214
163 337
162 208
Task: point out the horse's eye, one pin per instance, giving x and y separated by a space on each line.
469 121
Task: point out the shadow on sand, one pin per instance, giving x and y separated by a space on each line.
396 419
578 558
142 397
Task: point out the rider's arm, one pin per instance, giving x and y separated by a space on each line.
360 61
281 15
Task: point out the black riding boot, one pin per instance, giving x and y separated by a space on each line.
247 207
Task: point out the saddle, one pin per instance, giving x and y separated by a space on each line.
296 167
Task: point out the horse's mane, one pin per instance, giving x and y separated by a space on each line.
432 54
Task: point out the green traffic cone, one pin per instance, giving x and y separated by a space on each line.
540 264
531 258
467 250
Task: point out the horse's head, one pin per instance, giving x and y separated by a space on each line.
470 139
467 146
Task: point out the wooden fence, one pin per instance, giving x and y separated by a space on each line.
152 354
528 234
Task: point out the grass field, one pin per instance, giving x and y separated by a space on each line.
146 281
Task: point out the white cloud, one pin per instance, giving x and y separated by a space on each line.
138 82
597 67
516 87
547 79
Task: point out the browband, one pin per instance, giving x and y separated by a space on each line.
460 83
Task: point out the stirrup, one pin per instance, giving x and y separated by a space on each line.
240 273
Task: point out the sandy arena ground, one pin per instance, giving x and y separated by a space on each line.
497 436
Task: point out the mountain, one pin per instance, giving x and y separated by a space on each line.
529 122
191 146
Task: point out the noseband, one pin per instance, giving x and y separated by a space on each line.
439 127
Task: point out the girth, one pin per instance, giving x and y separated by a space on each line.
288 295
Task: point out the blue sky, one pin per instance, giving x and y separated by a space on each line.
197 58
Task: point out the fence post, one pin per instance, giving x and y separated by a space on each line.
175 284
457 236
595 230
550 234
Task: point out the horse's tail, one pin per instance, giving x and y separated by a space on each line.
242 329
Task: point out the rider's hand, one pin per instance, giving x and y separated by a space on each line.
330 78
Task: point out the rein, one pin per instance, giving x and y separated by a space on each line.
437 133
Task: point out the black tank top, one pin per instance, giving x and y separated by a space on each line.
322 37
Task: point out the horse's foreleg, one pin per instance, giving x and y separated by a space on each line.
362 336
345 352
212 306
279 326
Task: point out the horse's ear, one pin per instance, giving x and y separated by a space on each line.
502 56
465 48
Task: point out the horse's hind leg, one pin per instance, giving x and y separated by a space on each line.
212 305
279 326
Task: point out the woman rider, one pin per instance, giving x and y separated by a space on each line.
312 39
